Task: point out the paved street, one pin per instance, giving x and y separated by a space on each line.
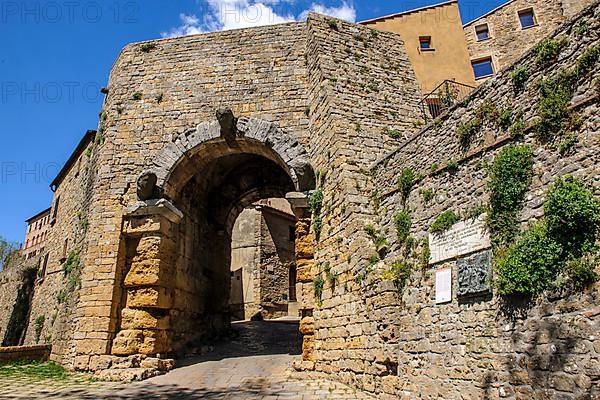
254 365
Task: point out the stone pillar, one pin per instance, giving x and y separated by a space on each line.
150 233
306 272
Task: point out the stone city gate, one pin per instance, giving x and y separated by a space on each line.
176 241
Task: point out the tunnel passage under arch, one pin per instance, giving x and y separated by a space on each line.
177 249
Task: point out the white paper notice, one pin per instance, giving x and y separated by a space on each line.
443 286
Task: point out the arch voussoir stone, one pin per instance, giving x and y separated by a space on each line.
285 146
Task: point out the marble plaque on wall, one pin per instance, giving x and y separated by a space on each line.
475 274
463 238
443 286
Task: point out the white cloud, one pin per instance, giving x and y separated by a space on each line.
190 25
234 14
345 11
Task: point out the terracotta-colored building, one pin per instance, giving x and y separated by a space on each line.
434 41
36 235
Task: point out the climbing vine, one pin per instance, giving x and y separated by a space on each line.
72 268
510 177
319 284
38 326
315 204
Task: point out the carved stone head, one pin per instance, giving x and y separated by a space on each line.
146 186
228 123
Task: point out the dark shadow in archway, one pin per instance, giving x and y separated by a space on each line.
215 183
249 339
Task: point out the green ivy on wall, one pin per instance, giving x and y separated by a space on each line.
510 177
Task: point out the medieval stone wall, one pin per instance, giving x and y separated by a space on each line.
262 253
54 310
277 256
348 94
17 281
481 348
245 280
364 99
162 89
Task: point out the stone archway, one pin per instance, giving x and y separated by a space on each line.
176 244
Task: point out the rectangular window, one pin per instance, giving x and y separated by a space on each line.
483 68
425 43
292 233
527 18
482 32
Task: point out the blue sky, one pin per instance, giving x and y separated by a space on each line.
56 55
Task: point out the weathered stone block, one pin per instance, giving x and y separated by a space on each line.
98 363
132 361
126 375
81 363
144 273
127 342
307 326
306 270
158 364
308 348
144 319
305 247
153 297
155 342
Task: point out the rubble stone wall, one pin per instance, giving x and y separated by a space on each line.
17 281
54 311
485 347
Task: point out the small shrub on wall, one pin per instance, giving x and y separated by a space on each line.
403 222
379 240
399 273
548 51
444 222
315 204
572 215
406 181
530 264
519 77
319 285
559 251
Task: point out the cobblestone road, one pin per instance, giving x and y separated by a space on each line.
255 365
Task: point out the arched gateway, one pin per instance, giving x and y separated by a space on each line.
176 240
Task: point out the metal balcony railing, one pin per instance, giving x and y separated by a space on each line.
447 94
